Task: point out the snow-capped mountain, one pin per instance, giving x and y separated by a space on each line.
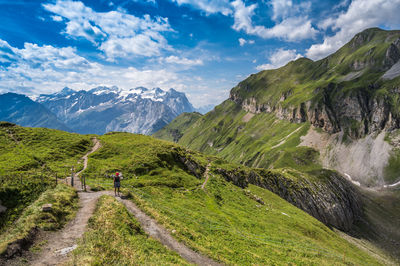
105 109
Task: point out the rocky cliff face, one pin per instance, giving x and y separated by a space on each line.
358 114
327 196
332 200
362 98
104 109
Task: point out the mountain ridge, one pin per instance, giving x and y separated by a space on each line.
345 95
349 80
103 109
339 113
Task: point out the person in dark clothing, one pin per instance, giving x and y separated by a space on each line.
117 183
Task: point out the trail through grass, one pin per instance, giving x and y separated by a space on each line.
114 237
224 222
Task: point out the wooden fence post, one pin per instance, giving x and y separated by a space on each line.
72 176
84 182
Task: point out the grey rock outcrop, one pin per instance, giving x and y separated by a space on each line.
47 207
364 106
332 200
357 114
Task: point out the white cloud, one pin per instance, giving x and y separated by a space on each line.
360 15
48 69
7 55
116 33
57 18
181 61
291 20
147 1
280 58
283 9
35 69
293 28
208 6
242 41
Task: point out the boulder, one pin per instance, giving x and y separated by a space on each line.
47 207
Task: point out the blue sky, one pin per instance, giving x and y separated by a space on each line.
200 47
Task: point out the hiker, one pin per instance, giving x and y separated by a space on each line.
117 183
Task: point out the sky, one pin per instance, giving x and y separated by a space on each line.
200 47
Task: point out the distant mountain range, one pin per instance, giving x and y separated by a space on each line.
98 110
22 110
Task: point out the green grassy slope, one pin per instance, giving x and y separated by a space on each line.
64 201
230 224
343 91
114 237
303 79
259 140
174 130
30 158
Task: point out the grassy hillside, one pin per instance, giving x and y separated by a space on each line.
348 93
64 204
365 57
114 237
30 159
174 130
224 221
254 140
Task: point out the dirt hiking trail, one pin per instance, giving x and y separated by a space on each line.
206 174
151 227
97 145
59 244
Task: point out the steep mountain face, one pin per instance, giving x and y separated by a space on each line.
19 109
341 107
104 109
353 90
